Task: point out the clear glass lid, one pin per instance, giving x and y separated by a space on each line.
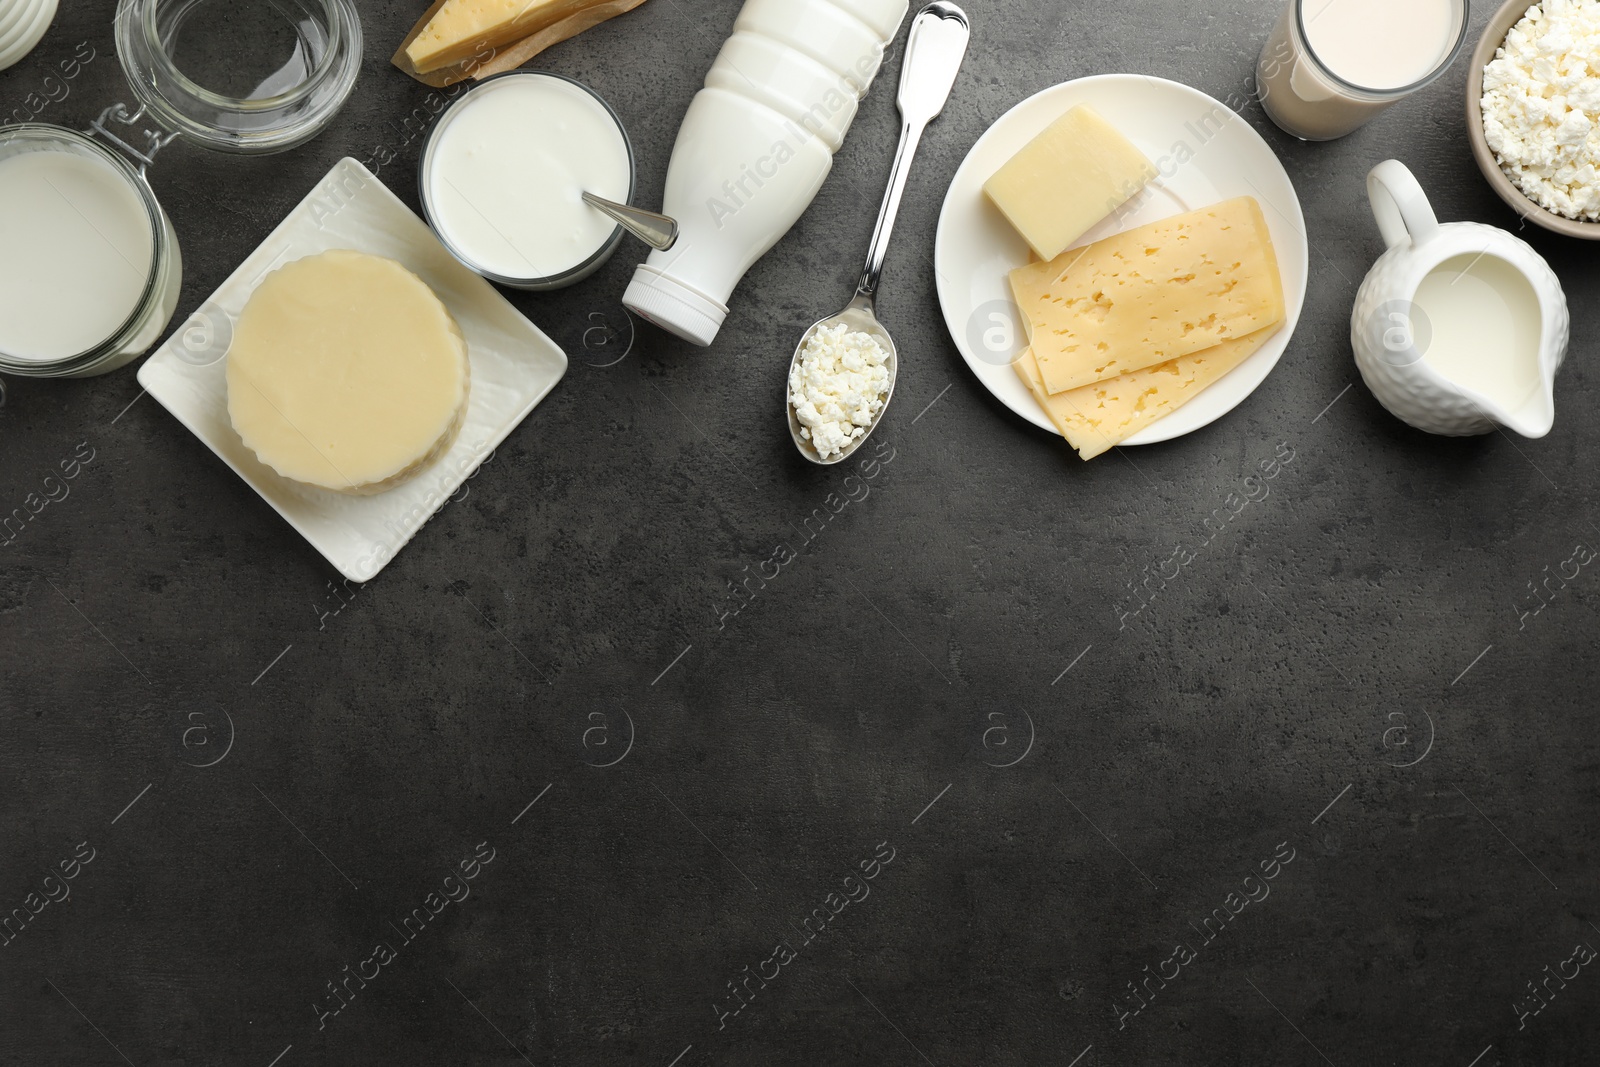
246 76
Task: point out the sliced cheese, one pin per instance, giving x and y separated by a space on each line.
464 29
1064 181
346 372
1096 418
1151 294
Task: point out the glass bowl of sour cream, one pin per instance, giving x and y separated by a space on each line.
503 174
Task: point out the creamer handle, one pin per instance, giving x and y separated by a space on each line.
1399 204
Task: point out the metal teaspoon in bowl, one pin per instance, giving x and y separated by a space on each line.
653 228
935 50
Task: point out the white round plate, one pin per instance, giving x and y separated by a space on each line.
1205 154
27 37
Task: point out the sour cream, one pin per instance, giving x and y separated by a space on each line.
505 171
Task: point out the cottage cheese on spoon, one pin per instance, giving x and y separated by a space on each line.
838 387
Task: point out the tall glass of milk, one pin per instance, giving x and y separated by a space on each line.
1331 65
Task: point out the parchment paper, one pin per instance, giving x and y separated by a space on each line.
512 56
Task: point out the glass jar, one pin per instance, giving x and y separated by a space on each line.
239 76
121 188
250 76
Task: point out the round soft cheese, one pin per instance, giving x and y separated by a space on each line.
347 372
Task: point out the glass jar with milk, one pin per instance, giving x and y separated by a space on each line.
90 269
1330 66
90 272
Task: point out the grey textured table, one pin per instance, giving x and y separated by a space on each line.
832 757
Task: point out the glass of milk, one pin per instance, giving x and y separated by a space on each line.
1331 65
90 270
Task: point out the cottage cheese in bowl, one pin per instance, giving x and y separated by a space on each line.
1541 107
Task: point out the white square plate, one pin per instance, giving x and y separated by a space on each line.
514 366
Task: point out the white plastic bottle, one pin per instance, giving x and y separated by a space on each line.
755 148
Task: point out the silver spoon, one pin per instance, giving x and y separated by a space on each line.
935 50
654 229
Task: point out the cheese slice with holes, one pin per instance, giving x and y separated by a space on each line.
346 372
1151 294
463 29
1096 418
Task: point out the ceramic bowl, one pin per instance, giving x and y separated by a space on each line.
28 32
1494 34
15 15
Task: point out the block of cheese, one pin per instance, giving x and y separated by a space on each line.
346 372
1150 294
1064 181
1096 418
463 29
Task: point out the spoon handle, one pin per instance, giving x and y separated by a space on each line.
910 138
653 228
935 49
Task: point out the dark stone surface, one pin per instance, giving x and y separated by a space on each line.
577 590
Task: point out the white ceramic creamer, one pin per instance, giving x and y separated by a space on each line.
755 148
1461 327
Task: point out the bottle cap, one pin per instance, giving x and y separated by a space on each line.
674 306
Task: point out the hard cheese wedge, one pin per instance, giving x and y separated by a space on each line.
1151 294
347 373
464 29
1096 418
1075 173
